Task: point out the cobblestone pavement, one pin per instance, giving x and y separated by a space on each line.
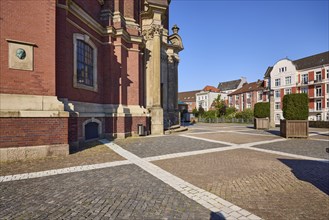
147 147
311 148
270 186
94 152
125 192
202 179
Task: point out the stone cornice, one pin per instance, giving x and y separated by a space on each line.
79 13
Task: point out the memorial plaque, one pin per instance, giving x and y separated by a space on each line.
20 55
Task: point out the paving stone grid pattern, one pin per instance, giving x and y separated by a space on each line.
216 207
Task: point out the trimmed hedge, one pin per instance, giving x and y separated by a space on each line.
262 110
295 106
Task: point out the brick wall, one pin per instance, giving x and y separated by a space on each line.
37 26
20 132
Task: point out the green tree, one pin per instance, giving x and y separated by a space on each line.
220 106
201 111
195 112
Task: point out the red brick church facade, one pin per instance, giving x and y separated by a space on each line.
75 70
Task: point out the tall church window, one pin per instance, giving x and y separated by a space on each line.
85 63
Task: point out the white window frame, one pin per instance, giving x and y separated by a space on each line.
304 90
86 39
318 105
318 91
305 78
318 76
287 91
276 94
277 105
288 80
277 82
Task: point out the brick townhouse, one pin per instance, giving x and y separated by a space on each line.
247 96
78 70
308 75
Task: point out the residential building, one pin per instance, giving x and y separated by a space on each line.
189 97
307 75
230 86
247 96
73 71
206 96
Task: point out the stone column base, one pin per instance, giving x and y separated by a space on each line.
156 121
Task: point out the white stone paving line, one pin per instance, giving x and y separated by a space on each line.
215 132
316 139
208 140
62 171
288 154
204 198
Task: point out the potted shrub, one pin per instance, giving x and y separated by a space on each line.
262 114
295 112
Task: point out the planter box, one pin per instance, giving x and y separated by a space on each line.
261 123
294 128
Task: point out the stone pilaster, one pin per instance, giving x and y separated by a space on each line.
156 110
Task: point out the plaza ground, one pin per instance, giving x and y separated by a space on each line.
213 171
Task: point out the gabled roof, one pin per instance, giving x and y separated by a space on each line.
188 96
306 62
268 72
249 87
223 86
312 61
210 89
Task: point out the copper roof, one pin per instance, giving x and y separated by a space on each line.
210 89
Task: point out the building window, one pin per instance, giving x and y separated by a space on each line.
327 73
318 105
304 90
248 95
237 97
248 105
318 76
318 117
277 82
85 63
282 69
287 91
277 105
304 78
328 103
328 88
277 117
318 91
288 80
260 95
277 93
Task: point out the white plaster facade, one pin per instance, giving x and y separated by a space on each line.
286 78
206 98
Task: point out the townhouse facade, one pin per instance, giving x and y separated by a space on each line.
308 75
247 96
206 96
188 97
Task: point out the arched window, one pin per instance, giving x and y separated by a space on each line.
85 63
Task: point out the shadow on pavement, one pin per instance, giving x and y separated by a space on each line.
216 216
314 172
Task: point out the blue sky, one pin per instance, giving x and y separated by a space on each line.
225 40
